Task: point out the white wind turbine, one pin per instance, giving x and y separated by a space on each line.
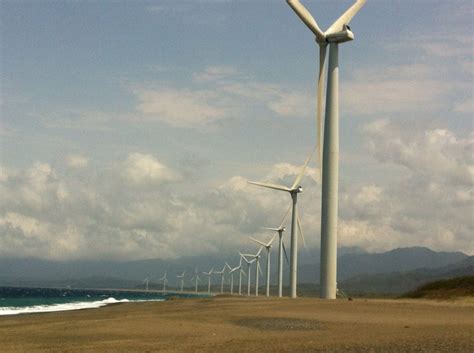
249 263
222 273
294 190
146 281
281 250
196 280
240 277
208 274
165 280
268 247
258 270
338 32
181 276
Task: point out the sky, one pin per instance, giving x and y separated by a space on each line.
129 129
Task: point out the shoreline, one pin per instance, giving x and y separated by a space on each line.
241 324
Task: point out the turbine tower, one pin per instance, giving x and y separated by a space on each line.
294 190
338 32
222 273
196 280
165 280
240 277
181 276
249 263
267 247
258 270
281 250
208 274
146 281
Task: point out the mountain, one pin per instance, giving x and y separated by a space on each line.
352 262
397 260
396 283
444 289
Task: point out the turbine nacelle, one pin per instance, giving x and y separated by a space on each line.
345 35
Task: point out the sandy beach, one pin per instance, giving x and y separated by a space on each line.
230 324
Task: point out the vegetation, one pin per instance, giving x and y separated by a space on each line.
444 289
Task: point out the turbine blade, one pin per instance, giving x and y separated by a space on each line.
259 269
271 241
301 230
270 186
346 17
300 175
259 251
319 101
307 19
284 218
257 241
274 229
286 254
242 256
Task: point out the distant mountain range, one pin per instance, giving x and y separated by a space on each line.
396 283
391 272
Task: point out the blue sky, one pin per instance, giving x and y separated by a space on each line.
134 123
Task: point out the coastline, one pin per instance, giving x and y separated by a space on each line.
240 324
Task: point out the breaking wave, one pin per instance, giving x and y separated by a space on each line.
63 306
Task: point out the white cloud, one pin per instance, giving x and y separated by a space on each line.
465 107
181 108
77 161
141 168
431 206
292 104
215 73
218 93
400 89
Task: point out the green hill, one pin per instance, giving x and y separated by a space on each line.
444 289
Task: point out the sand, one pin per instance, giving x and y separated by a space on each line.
232 324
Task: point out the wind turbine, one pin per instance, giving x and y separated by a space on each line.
249 263
208 274
196 279
240 278
294 190
222 273
181 276
281 250
338 32
268 247
165 280
146 281
257 269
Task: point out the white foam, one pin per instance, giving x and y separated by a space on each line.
62 307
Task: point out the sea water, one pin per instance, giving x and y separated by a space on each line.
20 300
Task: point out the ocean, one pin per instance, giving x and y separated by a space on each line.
20 300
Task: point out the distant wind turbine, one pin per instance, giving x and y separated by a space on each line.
249 263
165 280
181 276
294 190
146 281
338 32
240 278
267 247
222 273
196 280
258 270
281 250
208 274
